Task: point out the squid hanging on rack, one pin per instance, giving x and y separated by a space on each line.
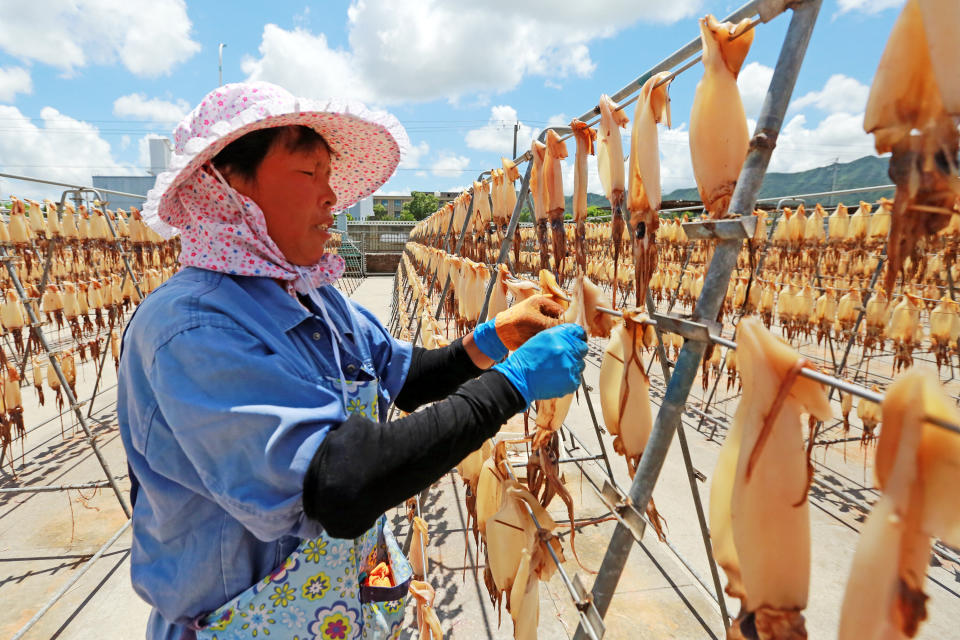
428 624
759 514
11 315
585 137
719 139
625 395
944 329
871 415
554 201
916 468
14 405
905 330
643 196
611 170
538 152
37 378
911 111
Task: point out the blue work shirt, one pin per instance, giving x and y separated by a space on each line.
223 398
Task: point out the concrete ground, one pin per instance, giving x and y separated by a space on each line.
45 538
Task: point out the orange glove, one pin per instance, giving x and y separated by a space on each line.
380 576
526 319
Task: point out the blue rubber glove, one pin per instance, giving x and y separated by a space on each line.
486 338
549 364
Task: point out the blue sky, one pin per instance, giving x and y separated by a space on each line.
84 82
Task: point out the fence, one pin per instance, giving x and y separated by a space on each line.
381 243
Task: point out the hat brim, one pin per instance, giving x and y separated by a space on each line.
365 154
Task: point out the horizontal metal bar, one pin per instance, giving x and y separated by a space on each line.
738 228
689 329
73 186
837 192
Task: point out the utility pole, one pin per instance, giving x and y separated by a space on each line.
220 65
836 168
516 128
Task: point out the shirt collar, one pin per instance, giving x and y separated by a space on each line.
287 312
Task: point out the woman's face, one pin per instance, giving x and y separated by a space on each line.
292 188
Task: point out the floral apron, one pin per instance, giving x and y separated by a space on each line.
319 591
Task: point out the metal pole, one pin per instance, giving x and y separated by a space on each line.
691 476
718 274
220 65
72 186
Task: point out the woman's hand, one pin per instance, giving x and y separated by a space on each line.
511 328
526 319
549 365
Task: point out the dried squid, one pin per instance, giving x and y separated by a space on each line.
643 196
917 467
610 167
913 100
944 329
538 152
428 624
554 202
759 515
719 139
585 137
625 394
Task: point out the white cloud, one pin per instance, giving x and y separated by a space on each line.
449 165
61 148
137 105
306 65
839 136
497 135
14 80
412 52
753 81
149 37
412 158
840 94
868 6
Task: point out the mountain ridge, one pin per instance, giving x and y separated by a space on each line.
867 171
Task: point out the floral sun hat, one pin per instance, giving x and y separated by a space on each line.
368 144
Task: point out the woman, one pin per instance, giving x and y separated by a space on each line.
251 392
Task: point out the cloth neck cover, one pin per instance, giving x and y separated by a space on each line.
228 233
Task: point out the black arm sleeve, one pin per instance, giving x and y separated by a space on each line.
363 468
434 374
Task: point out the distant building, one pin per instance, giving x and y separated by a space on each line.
394 204
160 150
362 210
127 184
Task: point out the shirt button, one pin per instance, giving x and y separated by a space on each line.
316 335
351 368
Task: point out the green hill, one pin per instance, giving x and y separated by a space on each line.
864 172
